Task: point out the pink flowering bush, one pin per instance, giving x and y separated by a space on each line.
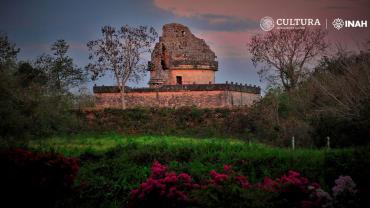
228 176
225 189
290 190
295 190
231 189
163 189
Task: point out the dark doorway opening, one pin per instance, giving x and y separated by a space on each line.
179 80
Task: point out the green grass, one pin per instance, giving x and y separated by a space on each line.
79 144
112 165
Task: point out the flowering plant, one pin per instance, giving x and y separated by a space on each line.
231 189
163 189
344 192
295 190
228 176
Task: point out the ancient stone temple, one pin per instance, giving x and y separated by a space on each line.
182 73
181 58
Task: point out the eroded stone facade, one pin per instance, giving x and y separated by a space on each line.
181 58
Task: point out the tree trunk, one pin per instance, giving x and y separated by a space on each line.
123 101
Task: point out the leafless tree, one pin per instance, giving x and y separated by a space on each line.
343 83
285 54
121 52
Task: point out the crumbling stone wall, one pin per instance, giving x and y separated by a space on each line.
200 99
174 96
179 49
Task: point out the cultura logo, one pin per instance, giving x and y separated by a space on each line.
340 23
267 23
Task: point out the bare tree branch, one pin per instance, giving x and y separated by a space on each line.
120 51
285 53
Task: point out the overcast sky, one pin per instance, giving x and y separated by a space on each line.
226 25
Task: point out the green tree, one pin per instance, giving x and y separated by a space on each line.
60 69
28 107
28 75
8 50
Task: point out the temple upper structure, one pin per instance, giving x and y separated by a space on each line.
181 58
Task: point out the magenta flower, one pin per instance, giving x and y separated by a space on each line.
163 189
227 168
158 170
243 181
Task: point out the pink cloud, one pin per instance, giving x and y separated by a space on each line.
227 44
255 9
233 43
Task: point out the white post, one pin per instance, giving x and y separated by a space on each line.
293 143
328 142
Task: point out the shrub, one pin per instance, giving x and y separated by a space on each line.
36 179
344 192
231 189
184 121
163 189
294 190
228 189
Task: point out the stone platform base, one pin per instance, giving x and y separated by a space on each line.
173 96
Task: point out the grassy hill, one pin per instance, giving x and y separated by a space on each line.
112 165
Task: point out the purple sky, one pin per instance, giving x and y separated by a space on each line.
226 25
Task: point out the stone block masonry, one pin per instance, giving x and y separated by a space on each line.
174 96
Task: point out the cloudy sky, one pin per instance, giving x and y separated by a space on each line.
226 25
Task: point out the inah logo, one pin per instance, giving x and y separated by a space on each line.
267 23
338 23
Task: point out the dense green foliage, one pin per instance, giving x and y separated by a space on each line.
185 121
35 100
28 111
112 165
333 102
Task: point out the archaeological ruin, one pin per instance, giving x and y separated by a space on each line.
182 73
